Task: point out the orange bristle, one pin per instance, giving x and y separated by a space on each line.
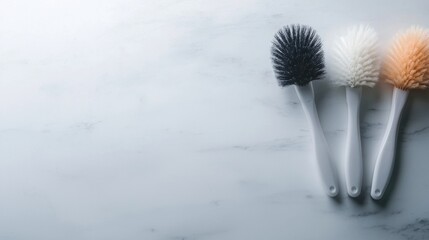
407 64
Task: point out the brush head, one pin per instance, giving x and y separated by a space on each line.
407 64
355 58
297 55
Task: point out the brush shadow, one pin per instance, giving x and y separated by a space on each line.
337 200
414 98
361 199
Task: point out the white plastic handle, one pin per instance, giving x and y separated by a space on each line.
386 157
329 178
353 159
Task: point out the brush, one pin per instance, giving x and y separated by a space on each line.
297 58
356 65
406 68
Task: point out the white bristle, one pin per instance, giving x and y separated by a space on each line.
355 58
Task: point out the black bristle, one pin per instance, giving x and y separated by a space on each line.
297 55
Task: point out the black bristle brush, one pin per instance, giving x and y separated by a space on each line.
297 58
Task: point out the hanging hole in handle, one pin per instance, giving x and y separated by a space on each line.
377 192
332 189
354 189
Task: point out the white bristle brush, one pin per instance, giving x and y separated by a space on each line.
298 60
407 68
356 65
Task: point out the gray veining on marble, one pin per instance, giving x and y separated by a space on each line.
138 119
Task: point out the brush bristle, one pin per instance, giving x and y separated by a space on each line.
297 55
407 64
355 58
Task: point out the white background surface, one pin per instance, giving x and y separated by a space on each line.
127 119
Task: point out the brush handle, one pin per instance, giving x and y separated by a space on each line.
386 157
353 143
329 179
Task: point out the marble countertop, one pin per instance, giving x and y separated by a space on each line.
130 119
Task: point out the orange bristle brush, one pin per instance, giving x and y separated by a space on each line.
406 67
